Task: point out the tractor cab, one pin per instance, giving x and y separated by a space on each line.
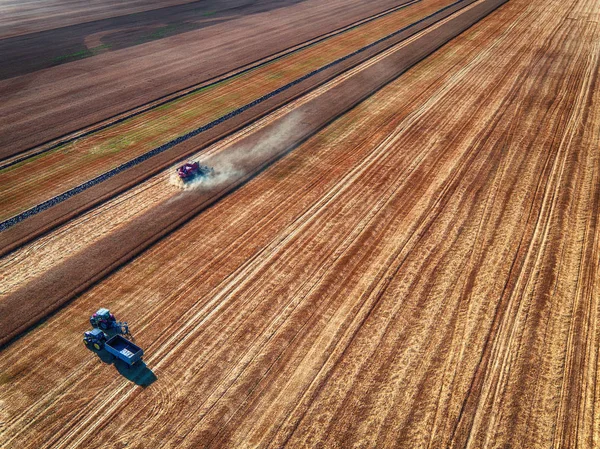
102 319
95 338
104 314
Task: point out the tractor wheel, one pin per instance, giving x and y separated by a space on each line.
103 325
97 346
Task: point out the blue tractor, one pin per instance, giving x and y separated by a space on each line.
106 321
107 334
95 338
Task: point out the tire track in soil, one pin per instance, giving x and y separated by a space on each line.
167 217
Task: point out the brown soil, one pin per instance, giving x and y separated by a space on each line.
24 17
46 104
38 50
421 273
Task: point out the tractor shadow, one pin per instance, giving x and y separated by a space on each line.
139 374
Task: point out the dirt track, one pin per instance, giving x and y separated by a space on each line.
422 273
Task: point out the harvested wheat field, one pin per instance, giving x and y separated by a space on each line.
423 272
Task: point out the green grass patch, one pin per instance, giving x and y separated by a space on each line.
86 53
112 146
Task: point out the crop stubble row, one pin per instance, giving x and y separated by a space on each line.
421 273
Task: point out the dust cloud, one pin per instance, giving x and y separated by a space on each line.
229 162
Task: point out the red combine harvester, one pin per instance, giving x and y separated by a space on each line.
193 170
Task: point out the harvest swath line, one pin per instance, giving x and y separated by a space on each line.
101 178
121 117
312 215
237 282
243 270
40 300
256 264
